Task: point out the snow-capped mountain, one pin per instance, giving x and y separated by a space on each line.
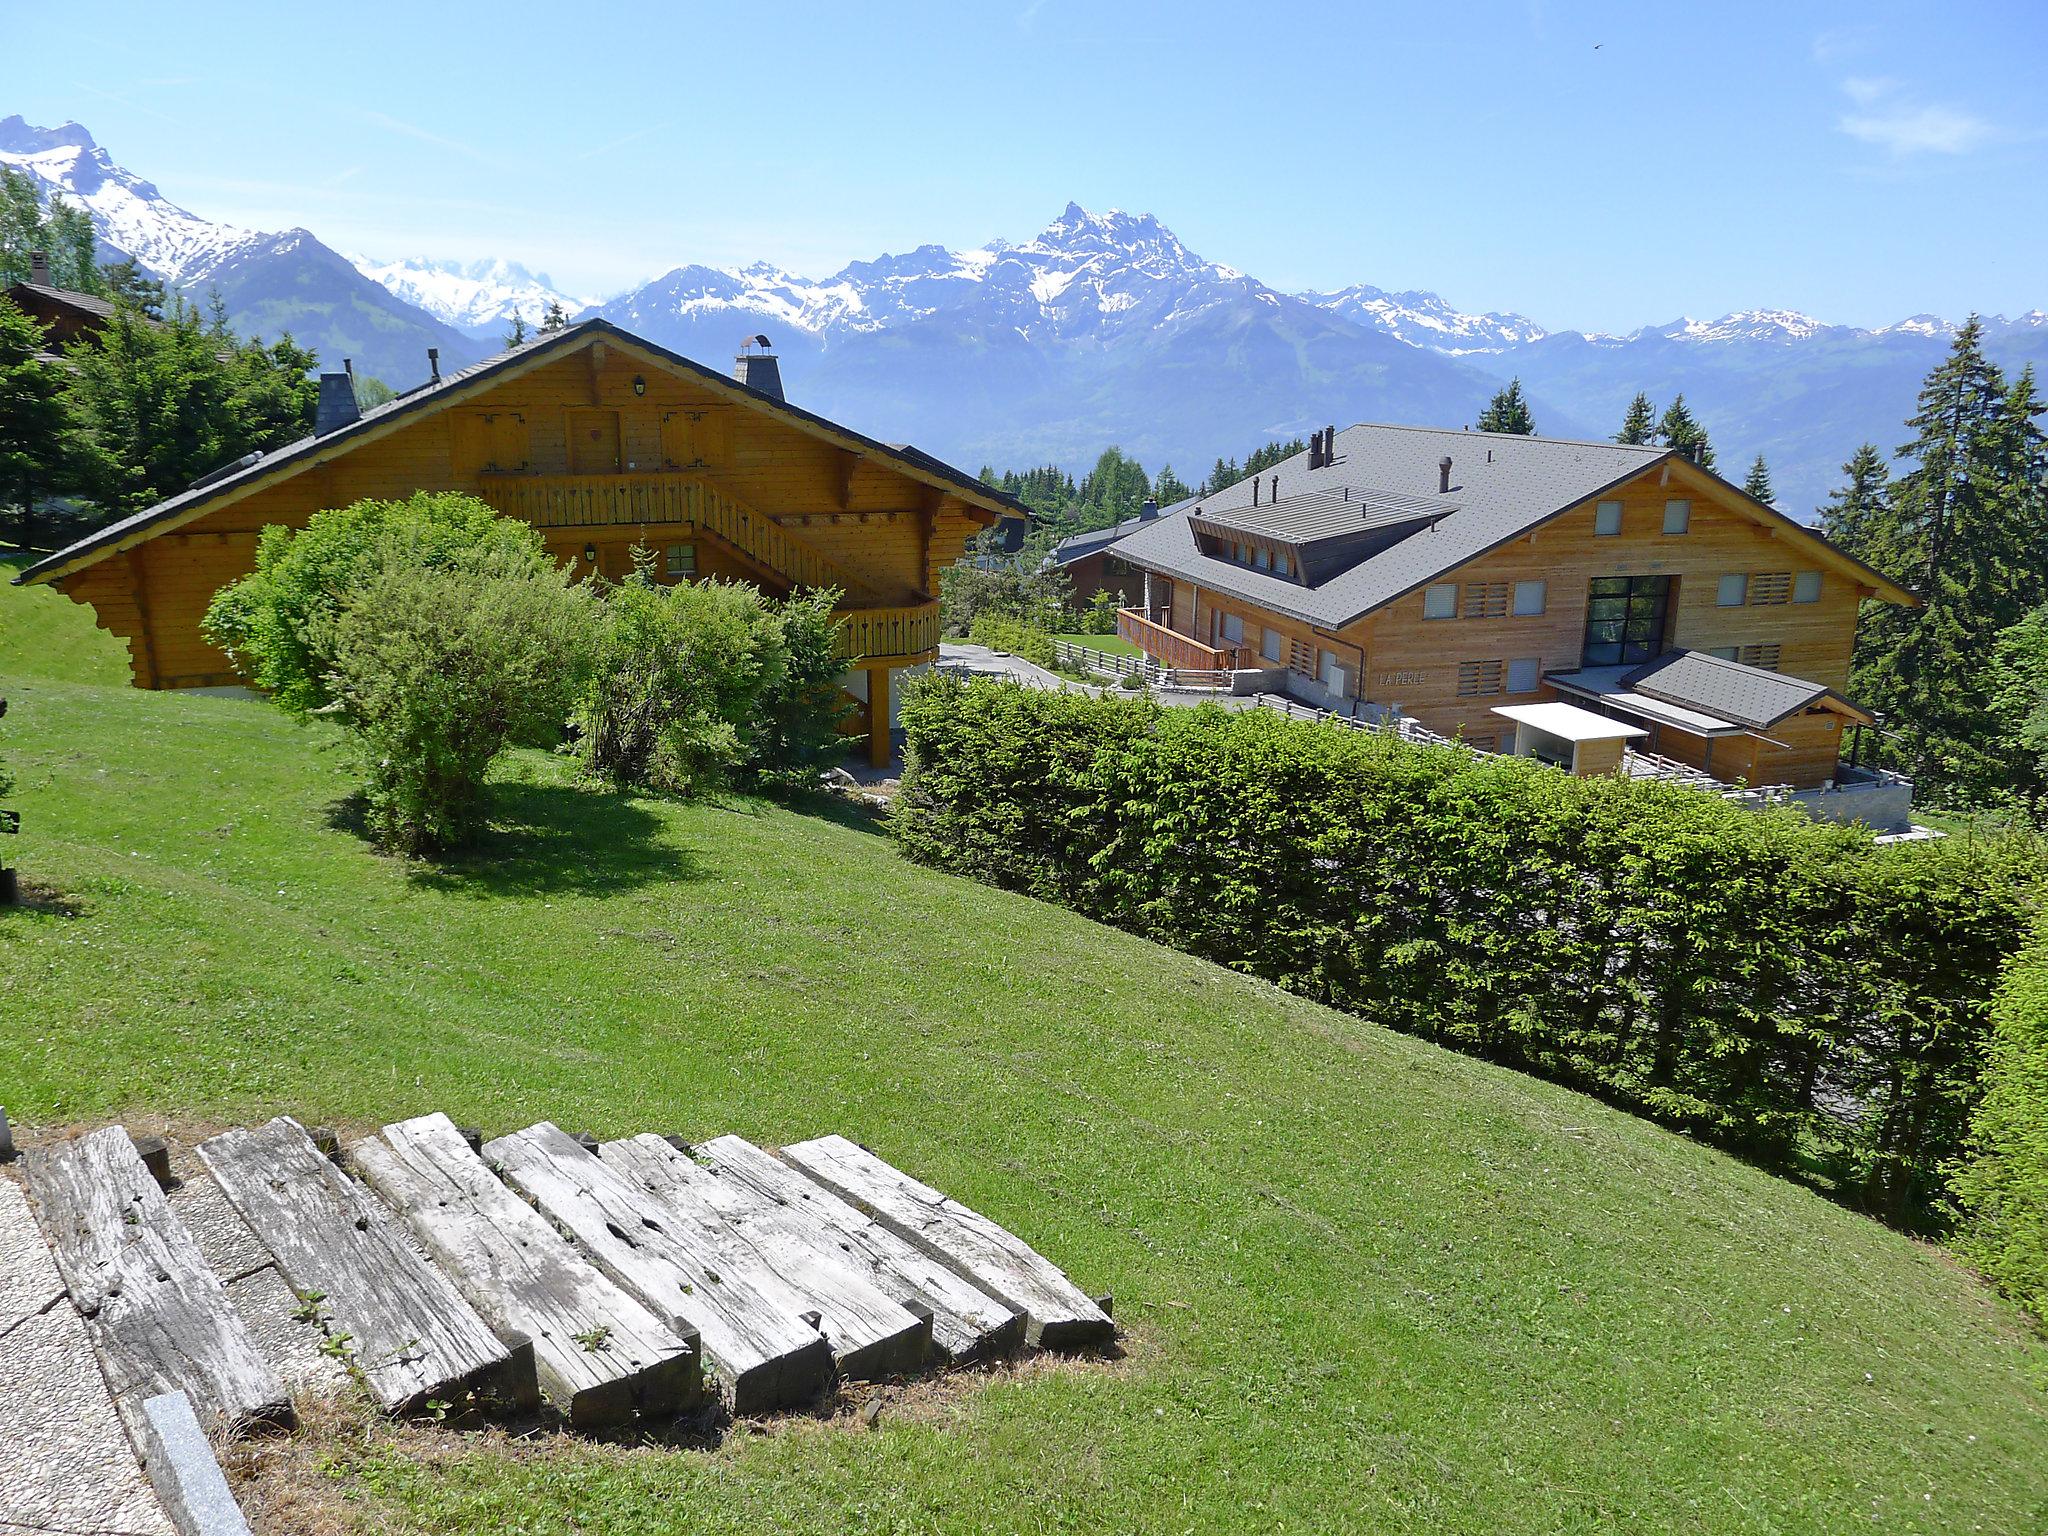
1424 320
269 282
130 216
479 297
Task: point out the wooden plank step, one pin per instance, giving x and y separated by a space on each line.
967 1322
1058 1314
871 1334
761 1349
154 1306
411 1335
601 1354
65 1463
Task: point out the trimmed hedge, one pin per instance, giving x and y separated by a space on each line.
2004 1187
1781 987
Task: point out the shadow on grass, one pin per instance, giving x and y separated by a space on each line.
547 839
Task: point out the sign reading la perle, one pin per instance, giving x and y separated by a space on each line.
1410 679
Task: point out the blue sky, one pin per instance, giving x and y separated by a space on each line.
1589 165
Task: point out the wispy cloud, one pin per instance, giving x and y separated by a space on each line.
1027 18
132 106
397 125
1887 115
624 139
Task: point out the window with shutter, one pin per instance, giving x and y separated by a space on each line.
1478 679
1765 656
1486 600
1767 589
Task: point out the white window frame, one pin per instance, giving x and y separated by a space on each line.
1736 582
1806 587
1607 519
1440 601
1531 597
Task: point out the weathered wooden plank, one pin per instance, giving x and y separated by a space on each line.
760 1347
411 1335
871 1334
967 1322
154 1306
65 1462
1058 1314
600 1353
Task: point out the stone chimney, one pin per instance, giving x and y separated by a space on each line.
758 370
39 268
337 404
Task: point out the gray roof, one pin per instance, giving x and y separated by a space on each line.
1501 487
90 302
218 482
1328 513
1080 546
1713 685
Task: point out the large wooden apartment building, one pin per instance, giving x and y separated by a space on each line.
1443 575
606 443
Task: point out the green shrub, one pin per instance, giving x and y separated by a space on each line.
697 683
268 621
1776 985
1099 617
1001 633
1026 587
436 669
2003 1187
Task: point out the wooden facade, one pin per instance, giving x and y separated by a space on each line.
607 445
1520 614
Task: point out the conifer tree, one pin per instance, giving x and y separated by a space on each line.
33 419
1639 426
554 318
1508 412
1758 483
515 333
1962 529
1168 487
1853 514
1679 429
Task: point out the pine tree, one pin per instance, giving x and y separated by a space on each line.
1639 426
553 318
1962 528
1169 488
1678 429
515 333
1758 484
1224 474
62 233
129 284
1508 412
1851 518
34 425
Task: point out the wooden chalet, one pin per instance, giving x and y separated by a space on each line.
606 443
1457 578
65 315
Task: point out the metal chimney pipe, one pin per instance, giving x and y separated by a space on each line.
434 364
1443 474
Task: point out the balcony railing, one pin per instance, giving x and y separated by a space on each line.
1169 647
674 500
873 633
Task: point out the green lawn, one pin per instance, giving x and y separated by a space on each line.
1370 1285
1110 645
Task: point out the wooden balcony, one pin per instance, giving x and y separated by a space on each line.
1169 647
904 635
674 501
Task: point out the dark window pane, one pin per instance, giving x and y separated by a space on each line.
1598 655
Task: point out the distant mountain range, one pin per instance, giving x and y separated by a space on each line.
1103 328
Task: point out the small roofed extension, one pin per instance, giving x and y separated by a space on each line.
606 443
1442 575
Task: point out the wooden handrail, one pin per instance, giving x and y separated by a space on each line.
1170 647
874 633
664 496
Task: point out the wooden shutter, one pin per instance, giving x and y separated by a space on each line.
1486 600
1478 679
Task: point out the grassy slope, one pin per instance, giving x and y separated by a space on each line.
1373 1286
